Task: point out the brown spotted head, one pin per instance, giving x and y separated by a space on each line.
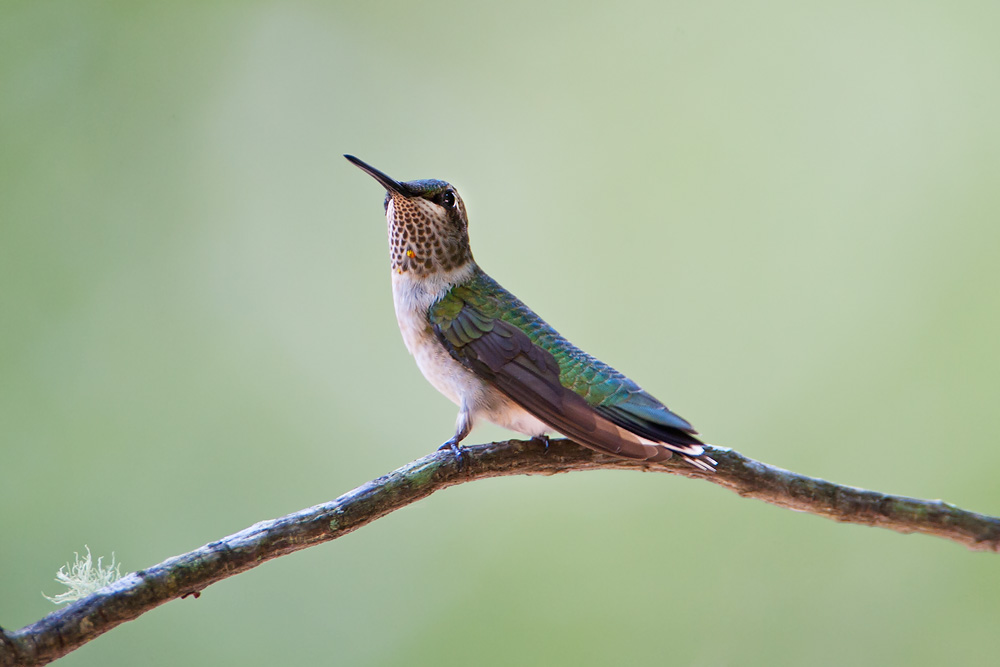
428 226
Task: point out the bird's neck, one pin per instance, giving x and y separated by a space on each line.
416 292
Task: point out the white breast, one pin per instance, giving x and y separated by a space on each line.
413 298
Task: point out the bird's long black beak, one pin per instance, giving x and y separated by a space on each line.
389 184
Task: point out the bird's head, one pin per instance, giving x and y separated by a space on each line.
428 225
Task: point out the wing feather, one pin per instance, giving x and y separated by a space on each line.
503 354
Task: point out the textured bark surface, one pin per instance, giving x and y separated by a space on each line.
69 628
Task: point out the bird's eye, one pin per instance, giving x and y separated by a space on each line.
448 199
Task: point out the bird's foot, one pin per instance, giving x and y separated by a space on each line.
456 449
544 439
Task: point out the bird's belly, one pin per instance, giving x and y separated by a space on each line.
512 416
441 370
461 385
448 376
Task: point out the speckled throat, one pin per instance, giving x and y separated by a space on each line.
425 238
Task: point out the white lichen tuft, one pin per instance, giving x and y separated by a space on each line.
83 577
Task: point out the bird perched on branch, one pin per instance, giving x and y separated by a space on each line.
480 346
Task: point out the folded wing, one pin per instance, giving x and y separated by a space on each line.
624 421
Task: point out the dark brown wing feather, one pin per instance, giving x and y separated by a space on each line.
505 356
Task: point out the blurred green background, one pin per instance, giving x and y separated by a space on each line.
781 218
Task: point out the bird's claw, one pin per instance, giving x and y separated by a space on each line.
544 439
456 450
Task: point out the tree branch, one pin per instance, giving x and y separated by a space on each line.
69 628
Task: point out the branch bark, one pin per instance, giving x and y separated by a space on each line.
76 624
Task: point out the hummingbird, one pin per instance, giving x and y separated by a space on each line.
489 353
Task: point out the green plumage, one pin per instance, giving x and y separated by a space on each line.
470 311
